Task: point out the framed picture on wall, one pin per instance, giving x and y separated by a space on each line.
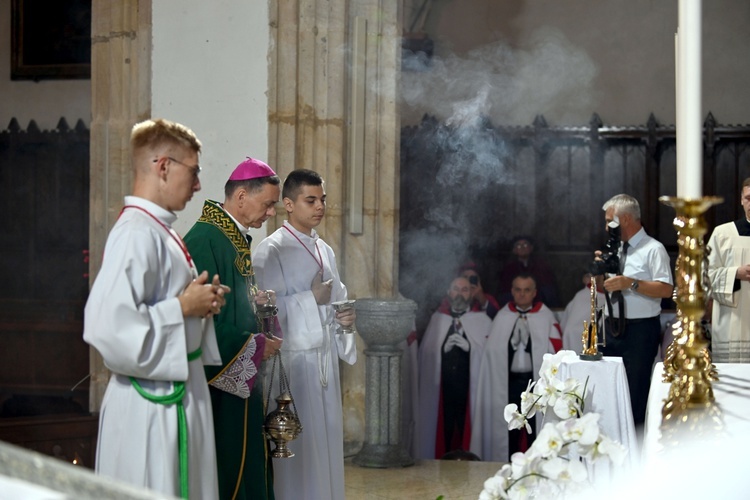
50 39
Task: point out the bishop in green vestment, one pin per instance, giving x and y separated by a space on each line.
218 242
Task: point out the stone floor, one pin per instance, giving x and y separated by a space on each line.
426 480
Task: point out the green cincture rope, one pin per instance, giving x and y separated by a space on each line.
170 399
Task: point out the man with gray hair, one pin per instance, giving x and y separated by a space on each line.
449 356
632 331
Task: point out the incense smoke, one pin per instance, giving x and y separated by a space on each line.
492 84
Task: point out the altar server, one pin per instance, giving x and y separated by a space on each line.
149 316
301 268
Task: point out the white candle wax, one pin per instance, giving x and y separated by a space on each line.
689 125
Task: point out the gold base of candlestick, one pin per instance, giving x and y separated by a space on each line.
690 402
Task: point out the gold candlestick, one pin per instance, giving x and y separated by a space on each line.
590 335
688 364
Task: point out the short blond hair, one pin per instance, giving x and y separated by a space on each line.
150 134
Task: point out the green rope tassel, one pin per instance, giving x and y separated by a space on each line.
170 399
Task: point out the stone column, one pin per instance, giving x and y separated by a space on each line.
120 97
309 127
384 325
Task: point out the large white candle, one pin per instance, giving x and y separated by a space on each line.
689 125
679 128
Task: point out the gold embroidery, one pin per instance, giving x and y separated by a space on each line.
215 215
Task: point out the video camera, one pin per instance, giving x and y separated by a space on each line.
610 262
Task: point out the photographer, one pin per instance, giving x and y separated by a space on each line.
481 301
643 278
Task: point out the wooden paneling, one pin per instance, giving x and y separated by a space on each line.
71 438
467 190
44 193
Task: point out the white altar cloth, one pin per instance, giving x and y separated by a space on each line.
731 393
607 394
710 467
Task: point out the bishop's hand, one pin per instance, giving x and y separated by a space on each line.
271 347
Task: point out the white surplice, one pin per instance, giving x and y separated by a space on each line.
286 262
730 318
476 325
489 430
134 319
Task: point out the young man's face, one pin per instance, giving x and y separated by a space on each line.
306 211
180 172
745 201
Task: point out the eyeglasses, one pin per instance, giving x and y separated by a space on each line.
522 245
195 169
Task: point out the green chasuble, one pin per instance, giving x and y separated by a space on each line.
244 464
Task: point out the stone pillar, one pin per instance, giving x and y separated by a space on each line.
120 97
384 325
309 127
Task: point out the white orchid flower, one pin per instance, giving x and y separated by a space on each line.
495 488
549 442
546 395
530 401
564 470
551 363
520 464
515 419
584 431
552 466
565 408
611 448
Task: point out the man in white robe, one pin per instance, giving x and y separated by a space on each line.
576 312
149 316
301 268
729 272
449 356
521 334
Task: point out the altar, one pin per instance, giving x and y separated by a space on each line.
708 466
606 394
732 395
